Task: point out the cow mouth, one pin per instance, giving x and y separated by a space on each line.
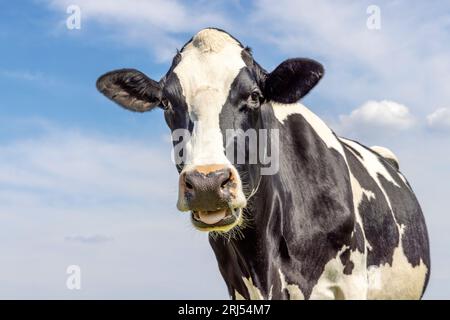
218 220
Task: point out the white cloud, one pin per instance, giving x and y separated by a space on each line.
439 119
375 115
151 24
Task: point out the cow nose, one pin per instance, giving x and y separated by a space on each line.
208 187
198 181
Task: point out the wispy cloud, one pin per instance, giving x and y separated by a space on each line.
70 162
155 24
34 77
91 239
61 187
22 75
439 119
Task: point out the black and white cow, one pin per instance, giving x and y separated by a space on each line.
336 221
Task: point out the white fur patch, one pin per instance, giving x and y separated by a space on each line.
397 281
385 153
253 291
212 40
238 296
371 163
283 111
358 193
335 284
208 66
294 291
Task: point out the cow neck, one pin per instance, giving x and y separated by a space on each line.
279 238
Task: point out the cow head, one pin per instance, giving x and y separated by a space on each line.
212 86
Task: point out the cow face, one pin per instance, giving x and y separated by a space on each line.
212 87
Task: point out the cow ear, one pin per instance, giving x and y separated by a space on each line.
131 89
292 80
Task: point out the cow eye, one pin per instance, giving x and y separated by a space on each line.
165 104
253 101
255 96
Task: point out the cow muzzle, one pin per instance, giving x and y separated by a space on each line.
213 194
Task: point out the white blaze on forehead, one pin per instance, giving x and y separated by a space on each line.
208 67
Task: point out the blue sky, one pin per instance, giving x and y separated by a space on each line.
85 182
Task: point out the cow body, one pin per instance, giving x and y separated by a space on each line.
336 220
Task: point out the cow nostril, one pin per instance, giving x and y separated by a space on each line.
226 181
188 184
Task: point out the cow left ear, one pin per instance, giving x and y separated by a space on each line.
131 89
292 80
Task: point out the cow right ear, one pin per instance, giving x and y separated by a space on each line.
131 89
292 80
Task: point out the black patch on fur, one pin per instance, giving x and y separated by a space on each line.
392 162
358 242
356 152
305 211
175 61
408 213
241 114
176 115
284 250
259 74
378 223
346 262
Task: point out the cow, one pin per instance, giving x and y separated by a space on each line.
336 220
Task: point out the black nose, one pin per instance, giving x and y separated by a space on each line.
208 187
